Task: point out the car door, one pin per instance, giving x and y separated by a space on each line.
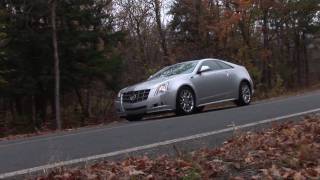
210 85
230 85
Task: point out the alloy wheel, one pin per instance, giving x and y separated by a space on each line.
246 93
186 101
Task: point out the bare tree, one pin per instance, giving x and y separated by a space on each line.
53 5
157 10
136 15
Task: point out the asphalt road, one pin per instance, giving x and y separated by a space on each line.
33 152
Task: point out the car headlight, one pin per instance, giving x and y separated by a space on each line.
119 95
162 88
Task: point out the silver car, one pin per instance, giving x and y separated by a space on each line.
186 88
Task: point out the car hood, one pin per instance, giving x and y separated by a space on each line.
149 84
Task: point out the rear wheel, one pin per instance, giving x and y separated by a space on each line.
245 95
185 101
134 117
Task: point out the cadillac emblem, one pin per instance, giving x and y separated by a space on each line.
133 97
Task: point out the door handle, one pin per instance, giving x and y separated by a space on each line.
228 74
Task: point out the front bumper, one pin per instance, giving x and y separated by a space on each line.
154 104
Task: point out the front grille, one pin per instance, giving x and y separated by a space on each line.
135 96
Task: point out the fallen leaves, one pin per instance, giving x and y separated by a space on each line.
285 151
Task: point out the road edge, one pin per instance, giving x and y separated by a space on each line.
47 167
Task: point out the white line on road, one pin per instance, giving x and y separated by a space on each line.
154 145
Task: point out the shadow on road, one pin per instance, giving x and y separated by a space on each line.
211 108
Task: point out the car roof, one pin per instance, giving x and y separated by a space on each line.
198 60
209 59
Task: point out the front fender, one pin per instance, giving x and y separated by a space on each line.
176 86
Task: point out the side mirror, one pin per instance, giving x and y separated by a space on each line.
204 69
150 77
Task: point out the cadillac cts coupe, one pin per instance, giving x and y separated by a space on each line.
186 88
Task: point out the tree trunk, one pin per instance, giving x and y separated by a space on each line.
160 29
198 21
82 106
306 60
297 58
141 45
33 109
88 103
56 64
266 62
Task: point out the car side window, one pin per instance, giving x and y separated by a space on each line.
214 66
224 65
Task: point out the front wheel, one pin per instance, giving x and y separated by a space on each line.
245 94
185 101
134 117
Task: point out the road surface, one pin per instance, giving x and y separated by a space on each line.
67 148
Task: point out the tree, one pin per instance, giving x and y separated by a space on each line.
162 35
89 68
187 28
53 4
102 43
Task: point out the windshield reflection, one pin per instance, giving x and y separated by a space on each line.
181 68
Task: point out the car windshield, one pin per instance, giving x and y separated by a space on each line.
181 68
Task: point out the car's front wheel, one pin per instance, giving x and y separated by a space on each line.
134 117
185 101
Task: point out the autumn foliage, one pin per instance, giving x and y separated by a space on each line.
286 151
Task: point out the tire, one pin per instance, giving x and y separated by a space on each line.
245 95
185 101
134 117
